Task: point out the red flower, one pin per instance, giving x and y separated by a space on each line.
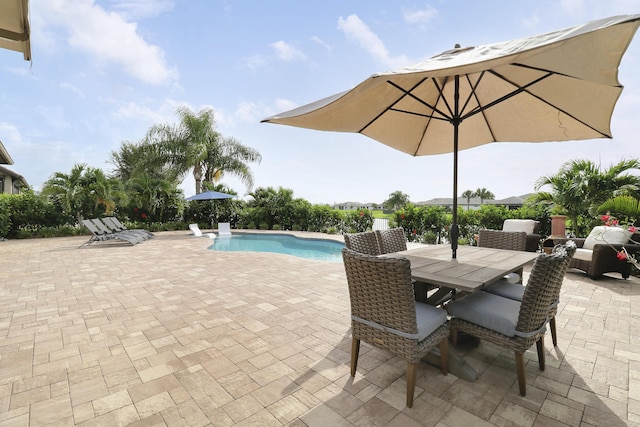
144 216
135 209
415 231
402 216
614 222
361 213
633 229
621 256
605 218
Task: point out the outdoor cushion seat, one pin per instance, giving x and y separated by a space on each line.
597 254
224 229
489 311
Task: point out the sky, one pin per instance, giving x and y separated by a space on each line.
104 72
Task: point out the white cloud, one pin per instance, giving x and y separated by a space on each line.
137 9
286 51
321 42
10 133
420 17
285 104
71 88
358 31
108 38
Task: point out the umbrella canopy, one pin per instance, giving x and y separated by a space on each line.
210 195
14 26
558 86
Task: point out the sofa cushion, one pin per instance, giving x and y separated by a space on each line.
607 235
583 254
526 225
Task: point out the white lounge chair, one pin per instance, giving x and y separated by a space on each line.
224 229
196 232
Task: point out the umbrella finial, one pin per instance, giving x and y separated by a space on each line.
457 46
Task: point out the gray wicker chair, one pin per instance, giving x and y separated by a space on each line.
364 243
516 291
384 313
392 240
510 240
512 324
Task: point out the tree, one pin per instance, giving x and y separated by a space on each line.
194 145
82 192
483 194
468 194
397 200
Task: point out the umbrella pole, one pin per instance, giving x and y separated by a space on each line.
455 232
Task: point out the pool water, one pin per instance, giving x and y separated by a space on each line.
317 249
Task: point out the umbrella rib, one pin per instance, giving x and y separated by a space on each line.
519 90
426 104
390 107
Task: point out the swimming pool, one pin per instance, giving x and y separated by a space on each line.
317 249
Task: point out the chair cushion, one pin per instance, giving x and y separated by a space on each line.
583 254
428 318
489 311
505 289
526 225
603 234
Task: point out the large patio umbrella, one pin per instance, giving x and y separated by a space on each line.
210 195
14 26
558 86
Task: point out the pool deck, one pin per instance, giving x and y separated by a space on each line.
167 333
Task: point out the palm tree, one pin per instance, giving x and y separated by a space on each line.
468 194
483 194
80 192
581 186
194 145
397 200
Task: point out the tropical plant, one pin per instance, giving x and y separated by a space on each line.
194 145
397 200
483 194
580 187
468 194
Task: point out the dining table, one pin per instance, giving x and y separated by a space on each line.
472 269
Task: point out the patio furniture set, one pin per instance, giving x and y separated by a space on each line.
482 299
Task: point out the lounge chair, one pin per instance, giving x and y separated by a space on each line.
121 227
224 229
196 232
100 236
106 230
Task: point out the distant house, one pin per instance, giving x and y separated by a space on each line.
11 182
352 206
511 203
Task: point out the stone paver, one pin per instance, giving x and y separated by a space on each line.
169 333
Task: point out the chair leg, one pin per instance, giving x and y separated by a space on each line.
444 356
522 379
554 334
355 352
412 371
541 356
453 334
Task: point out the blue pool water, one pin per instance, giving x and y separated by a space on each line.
318 249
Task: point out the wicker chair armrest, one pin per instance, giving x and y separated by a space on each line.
533 242
562 240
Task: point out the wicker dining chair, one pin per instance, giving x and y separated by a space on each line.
391 240
509 240
516 291
512 324
364 243
384 313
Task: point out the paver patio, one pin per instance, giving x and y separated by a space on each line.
169 333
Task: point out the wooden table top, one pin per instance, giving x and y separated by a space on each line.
473 268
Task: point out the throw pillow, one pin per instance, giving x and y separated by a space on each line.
603 234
